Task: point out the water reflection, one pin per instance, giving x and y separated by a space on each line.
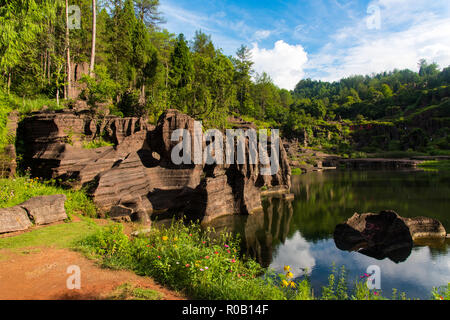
300 232
378 236
260 232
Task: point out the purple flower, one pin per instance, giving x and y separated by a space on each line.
202 270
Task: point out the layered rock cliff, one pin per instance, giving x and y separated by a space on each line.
135 177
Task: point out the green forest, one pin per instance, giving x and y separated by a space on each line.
138 68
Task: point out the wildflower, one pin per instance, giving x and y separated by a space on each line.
159 257
292 284
284 283
215 252
375 293
190 234
233 260
228 251
207 257
287 268
202 270
175 246
178 262
187 265
239 275
203 242
441 297
206 268
175 239
289 275
227 246
165 238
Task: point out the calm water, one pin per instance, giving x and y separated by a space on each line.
299 233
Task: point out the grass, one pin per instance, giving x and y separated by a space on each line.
20 189
128 291
296 171
436 165
397 154
60 235
97 143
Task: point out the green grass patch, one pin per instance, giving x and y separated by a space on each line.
60 235
127 291
397 154
20 189
296 171
97 143
436 165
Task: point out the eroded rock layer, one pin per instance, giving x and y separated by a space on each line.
136 177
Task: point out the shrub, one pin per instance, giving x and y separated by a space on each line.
18 190
100 88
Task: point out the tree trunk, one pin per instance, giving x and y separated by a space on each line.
57 96
94 22
68 68
9 81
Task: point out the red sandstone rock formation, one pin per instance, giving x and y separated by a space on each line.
136 177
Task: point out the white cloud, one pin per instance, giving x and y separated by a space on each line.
284 63
296 253
408 33
262 34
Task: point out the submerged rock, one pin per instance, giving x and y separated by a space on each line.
385 234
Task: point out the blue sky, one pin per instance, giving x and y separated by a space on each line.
320 39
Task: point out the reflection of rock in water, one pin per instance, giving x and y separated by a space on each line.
385 235
259 231
380 236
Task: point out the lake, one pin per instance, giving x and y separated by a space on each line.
299 233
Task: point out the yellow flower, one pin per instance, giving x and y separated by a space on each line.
175 239
165 238
292 284
284 283
287 268
175 246
289 275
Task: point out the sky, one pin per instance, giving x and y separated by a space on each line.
320 39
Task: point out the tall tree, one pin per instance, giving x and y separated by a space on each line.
94 25
68 66
148 13
243 66
180 74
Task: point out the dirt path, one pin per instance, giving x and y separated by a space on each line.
41 273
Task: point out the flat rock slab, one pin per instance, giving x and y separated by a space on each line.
46 209
14 219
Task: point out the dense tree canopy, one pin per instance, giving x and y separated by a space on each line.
143 69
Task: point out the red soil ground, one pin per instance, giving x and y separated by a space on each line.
41 273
